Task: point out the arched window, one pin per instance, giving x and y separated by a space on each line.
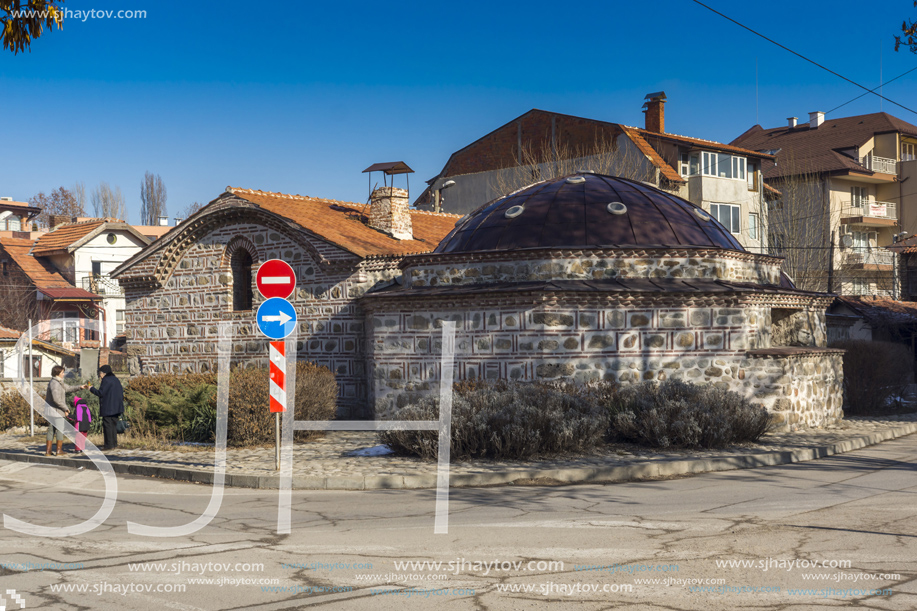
241 264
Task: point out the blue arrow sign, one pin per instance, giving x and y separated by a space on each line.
276 318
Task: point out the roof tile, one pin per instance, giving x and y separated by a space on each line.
65 235
41 273
345 224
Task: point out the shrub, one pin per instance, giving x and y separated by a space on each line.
874 373
185 413
681 414
183 406
14 411
504 420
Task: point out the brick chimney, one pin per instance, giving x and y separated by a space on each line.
654 109
56 220
389 213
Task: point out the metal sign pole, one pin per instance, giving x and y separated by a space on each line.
31 386
277 441
278 391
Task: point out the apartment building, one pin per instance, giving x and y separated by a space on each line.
844 198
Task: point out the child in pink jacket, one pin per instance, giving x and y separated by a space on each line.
81 419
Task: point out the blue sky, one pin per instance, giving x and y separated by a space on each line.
302 98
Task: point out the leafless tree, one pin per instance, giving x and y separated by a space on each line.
108 202
192 208
79 194
58 201
18 303
805 229
153 199
612 156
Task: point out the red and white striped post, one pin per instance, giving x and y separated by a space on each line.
278 391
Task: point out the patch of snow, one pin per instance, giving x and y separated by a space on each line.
382 450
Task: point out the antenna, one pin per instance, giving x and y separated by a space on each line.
757 121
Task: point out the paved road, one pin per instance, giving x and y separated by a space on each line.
854 510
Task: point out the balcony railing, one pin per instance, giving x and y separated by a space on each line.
870 209
102 285
869 256
883 165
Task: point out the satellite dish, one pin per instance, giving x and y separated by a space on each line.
846 241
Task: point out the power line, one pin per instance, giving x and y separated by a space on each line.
811 61
872 90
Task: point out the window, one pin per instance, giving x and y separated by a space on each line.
241 264
864 240
709 164
690 164
728 215
119 322
908 152
753 226
65 327
723 166
860 286
752 177
858 196
738 168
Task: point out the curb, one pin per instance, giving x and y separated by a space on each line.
591 475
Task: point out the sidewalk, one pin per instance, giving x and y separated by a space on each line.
324 464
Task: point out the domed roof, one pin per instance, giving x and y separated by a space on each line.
587 210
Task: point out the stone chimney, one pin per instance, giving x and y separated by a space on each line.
389 213
791 121
654 111
815 119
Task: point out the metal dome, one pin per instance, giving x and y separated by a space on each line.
586 210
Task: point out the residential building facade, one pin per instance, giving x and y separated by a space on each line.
843 198
62 276
723 179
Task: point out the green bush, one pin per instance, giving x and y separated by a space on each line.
183 406
505 420
874 374
185 413
685 415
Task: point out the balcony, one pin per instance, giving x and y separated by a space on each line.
883 165
870 213
102 285
869 258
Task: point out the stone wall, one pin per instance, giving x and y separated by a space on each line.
173 328
430 270
717 344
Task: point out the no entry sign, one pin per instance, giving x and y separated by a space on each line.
275 279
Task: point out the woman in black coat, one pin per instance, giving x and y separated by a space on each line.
111 405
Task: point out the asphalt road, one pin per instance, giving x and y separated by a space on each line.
853 514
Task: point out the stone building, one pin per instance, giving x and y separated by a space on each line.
203 271
592 277
583 277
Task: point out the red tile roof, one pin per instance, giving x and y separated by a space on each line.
7 333
41 273
803 149
883 311
701 143
65 235
345 224
667 171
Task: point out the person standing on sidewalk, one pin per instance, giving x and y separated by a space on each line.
111 404
56 397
